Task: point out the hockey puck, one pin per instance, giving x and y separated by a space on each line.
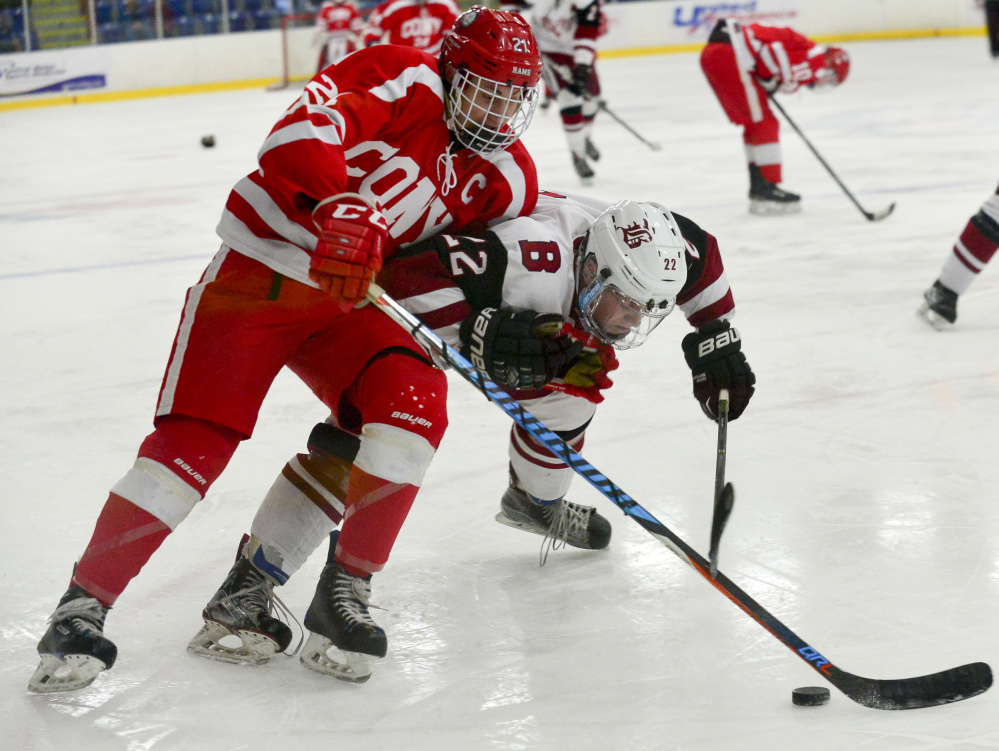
208 141
810 696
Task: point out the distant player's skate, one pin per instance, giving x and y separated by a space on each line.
240 626
74 649
939 308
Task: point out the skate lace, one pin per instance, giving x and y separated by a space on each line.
566 520
85 614
352 596
260 596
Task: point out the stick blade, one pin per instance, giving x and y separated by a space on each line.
956 684
877 216
723 509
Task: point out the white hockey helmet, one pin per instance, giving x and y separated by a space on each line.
630 268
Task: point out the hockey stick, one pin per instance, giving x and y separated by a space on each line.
724 492
654 145
875 216
905 693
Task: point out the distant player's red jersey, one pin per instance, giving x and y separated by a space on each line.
339 17
777 56
412 23
371 124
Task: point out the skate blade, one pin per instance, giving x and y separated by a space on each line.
64 673
320 656
255 648
933 318
770 208
502 518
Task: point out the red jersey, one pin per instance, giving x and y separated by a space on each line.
777 57
371 124
339 18
412 23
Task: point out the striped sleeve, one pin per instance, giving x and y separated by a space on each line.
706 295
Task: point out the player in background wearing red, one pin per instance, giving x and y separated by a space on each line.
338 30
745 63
602 276
386 148
411 23
567 32
973 249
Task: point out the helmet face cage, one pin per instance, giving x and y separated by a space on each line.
602 305
630 268
491 67
486 116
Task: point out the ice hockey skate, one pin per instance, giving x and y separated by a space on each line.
592 152
939 308
559 522
766 198
240 626
344 641
583 169
74 649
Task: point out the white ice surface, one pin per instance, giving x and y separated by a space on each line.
865 467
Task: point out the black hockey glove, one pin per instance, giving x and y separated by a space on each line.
580 78
716 362
519 350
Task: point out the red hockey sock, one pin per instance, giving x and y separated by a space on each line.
376 511
127 535
125 538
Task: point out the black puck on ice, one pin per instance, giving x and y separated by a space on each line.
208 141
810 696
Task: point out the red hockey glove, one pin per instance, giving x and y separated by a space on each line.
352 233
587 375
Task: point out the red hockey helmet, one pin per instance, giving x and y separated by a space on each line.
491 67
495 44
838 62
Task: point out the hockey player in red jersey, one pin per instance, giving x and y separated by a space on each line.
567 32
411 23
338 30
540 304
966 260
382 150
745 63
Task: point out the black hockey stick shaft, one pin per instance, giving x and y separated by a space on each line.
724 492
871 216
907 693
655 146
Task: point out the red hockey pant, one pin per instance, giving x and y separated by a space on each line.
745 103
241 324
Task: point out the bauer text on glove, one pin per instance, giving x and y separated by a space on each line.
519 350
716 361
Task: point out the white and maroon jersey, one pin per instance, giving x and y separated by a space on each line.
372 124
563 27
528 263
412 23
339 19
777 57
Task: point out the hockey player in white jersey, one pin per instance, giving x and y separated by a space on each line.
567 32
540 305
